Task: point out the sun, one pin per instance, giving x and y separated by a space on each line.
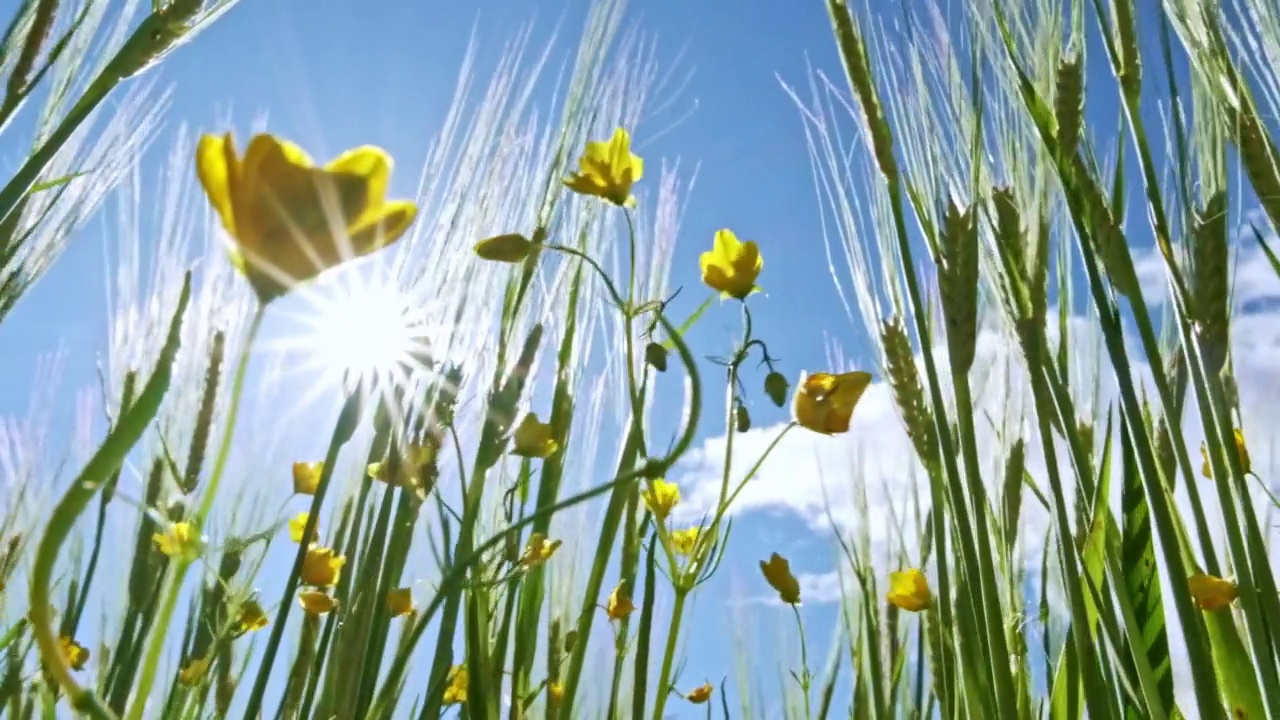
365 330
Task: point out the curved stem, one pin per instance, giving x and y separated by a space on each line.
109 457
668 656
178 570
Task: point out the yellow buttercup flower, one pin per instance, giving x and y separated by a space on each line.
1246 463
193 671
778 574
682 541
534 439
731 267
251 618
399 602
1210 592
456 691
909 590
538 551
414 459
608 170
661 497
824 402
321 567
316 602
298 525
181 540
619 605
77 655
306 477
290 220
700 694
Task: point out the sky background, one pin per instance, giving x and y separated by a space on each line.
335 75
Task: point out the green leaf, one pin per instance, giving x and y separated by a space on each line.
684 327
1142 580
51 184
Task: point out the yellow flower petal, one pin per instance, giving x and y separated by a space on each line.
608 170
777 572
216 168
250 618
700 694
619 605
824 402
399 602
456 691
290 220
909 590
661 497
298 525
321 567
181 540
306 477
731 267
1211 592
534 439
76 654
683 541
317 602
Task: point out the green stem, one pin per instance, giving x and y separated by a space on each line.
178 570
668 656
804 663
109 457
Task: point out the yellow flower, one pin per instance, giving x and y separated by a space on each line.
619 605
456 691
290 220
778 573
608 169
316 602
1211 592
322 567
661 497
193 671
508 248
699 695
555 691
399 602
1245 463
682 541
534 439
731 267
538 551
181 540
413 461
298 525
251 618
909 590
306 477
77 655
824 402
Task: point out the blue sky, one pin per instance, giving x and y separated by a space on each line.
331 76
334 75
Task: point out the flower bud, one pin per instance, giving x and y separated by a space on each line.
509 248
775 386
656 355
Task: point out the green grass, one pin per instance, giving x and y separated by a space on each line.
975 208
